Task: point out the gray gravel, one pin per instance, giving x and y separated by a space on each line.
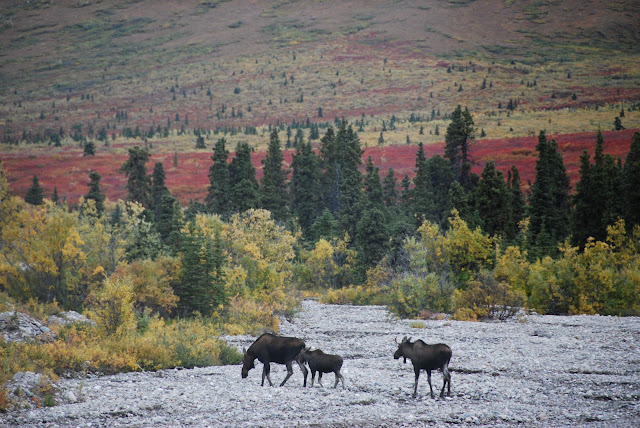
535 371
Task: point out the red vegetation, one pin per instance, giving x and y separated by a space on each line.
69 171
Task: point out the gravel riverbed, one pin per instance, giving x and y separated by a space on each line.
537 370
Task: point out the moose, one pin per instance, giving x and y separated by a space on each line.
270 348
426 357
322 363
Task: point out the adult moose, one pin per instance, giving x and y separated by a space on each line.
426 357
270 348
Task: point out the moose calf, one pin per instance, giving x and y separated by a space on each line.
322 363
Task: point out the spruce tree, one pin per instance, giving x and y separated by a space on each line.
324 227
331 171
598 201
350 178
492 201
421 202
54 197
169 221
158 189
89 149
549 203
34 194
306 199
372 187
218 199
138 182
273 191
631 184
244 186
389 189
459 136
201 285
517 200
95 193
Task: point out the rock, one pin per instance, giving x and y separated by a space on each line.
69 317
20 327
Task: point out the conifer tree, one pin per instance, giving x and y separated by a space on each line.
169 222
273 191
598 200
331 170
138 182
95 193
350 178
201 285
89 149
389 189
218 199
34 194
372 186
517 200
460 134
492 201
324 227
549 203
306 199
420 201
158 189
631 184
244 186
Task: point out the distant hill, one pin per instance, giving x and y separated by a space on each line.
156 72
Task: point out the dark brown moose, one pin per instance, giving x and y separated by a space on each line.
426 357
270 348
322 363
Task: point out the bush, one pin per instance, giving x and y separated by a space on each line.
487 298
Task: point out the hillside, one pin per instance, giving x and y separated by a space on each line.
131 68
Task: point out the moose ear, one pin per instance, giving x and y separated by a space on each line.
244 350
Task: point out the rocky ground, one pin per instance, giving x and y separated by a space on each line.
532 371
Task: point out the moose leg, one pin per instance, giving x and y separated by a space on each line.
446 380
429 379
320 378
415 387
338 378
266 370
305 372
289 373
313 376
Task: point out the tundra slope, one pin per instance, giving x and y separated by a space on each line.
542 371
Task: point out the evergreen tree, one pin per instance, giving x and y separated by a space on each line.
372 186
138 182
631 184
598 200
218 199
244 186
35 195
330 176
200 144
158 189
95 193
372 239
273 192
549 203
517 200
389 191
459 135
54 197
89 149
492 201
420 194
169 221
201 285
324 227
305 187
350 178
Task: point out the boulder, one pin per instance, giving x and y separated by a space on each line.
20 327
